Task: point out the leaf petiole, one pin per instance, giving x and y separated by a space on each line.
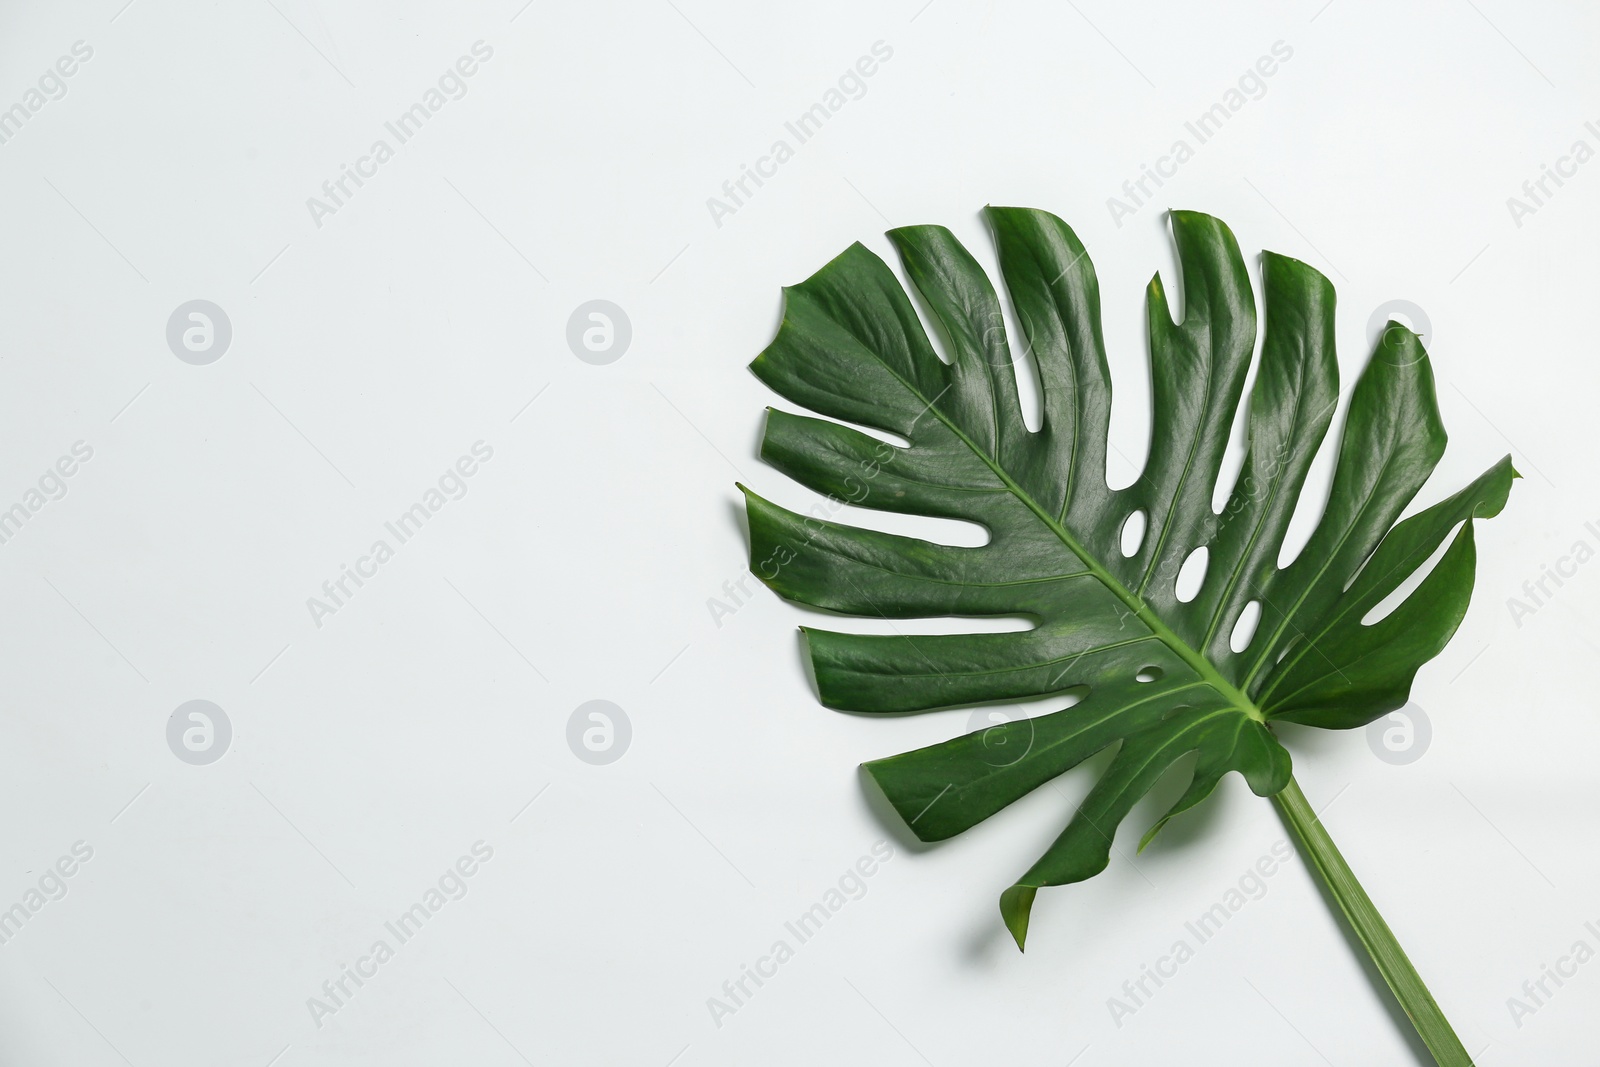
1370 929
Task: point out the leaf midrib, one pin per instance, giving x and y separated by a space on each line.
1142 611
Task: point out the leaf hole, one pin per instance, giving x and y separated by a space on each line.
1245 628
1403 589
1151 673
1313 503
1133 528
1030 385
1192 574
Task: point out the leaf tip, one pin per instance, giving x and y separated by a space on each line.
1016 904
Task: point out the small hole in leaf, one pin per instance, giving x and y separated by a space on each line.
1245 628
1149 674
1192 574
1133 532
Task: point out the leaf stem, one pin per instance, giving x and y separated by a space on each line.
1374 934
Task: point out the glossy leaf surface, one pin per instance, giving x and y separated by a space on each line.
1153 674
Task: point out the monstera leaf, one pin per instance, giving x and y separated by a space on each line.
1154 674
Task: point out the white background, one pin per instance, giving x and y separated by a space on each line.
372 351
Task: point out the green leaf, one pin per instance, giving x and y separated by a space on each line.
1155 676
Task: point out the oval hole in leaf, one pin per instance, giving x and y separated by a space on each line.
1133 528
1192 574
1245 628
1149 674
